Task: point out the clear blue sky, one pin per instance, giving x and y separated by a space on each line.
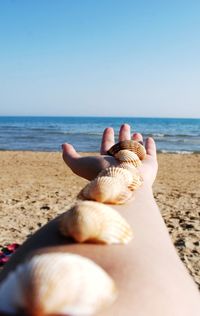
100 57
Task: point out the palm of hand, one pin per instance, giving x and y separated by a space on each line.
88 167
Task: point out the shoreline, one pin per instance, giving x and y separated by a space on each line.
183 152
37 186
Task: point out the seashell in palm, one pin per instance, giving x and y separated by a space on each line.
136 183
129 166
95 222
106 190
128 157
59 284
137 178
121 173
130 145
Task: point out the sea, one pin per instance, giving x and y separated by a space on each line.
48 133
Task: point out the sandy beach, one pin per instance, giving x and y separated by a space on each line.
37 186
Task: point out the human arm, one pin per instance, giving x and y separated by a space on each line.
146 269
159 274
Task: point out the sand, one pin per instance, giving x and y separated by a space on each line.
35 187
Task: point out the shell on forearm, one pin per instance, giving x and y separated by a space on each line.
57 283
106 190
95 222
122 174
136 183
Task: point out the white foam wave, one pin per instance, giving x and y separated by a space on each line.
177 152
158 135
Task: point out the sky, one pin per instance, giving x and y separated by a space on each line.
100 58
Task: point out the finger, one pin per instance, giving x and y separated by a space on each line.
138 137
150 147
125 132
70 155
108 140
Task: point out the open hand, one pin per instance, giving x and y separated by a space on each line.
88 167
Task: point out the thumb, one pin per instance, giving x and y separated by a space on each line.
69 154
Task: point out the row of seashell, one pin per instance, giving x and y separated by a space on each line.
99 223
48 277
114 185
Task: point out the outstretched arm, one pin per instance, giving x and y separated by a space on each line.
149 275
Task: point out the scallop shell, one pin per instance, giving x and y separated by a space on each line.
95 222
128 166
118 172
136 183
131 145
106 190
128 156
57 283
131 168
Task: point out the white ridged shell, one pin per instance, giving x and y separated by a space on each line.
129 166
128 156
106 190
57 283
95 222
136 183
121 173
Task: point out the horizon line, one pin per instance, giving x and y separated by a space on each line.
103 116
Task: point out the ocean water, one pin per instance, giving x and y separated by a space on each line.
48 133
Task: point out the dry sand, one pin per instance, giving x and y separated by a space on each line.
35 187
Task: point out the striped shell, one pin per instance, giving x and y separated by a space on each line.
130 145
136 183
95 222
131 168
128 166
118 172
128 156
57 284
106 190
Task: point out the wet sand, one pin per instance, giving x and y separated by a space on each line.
35 187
